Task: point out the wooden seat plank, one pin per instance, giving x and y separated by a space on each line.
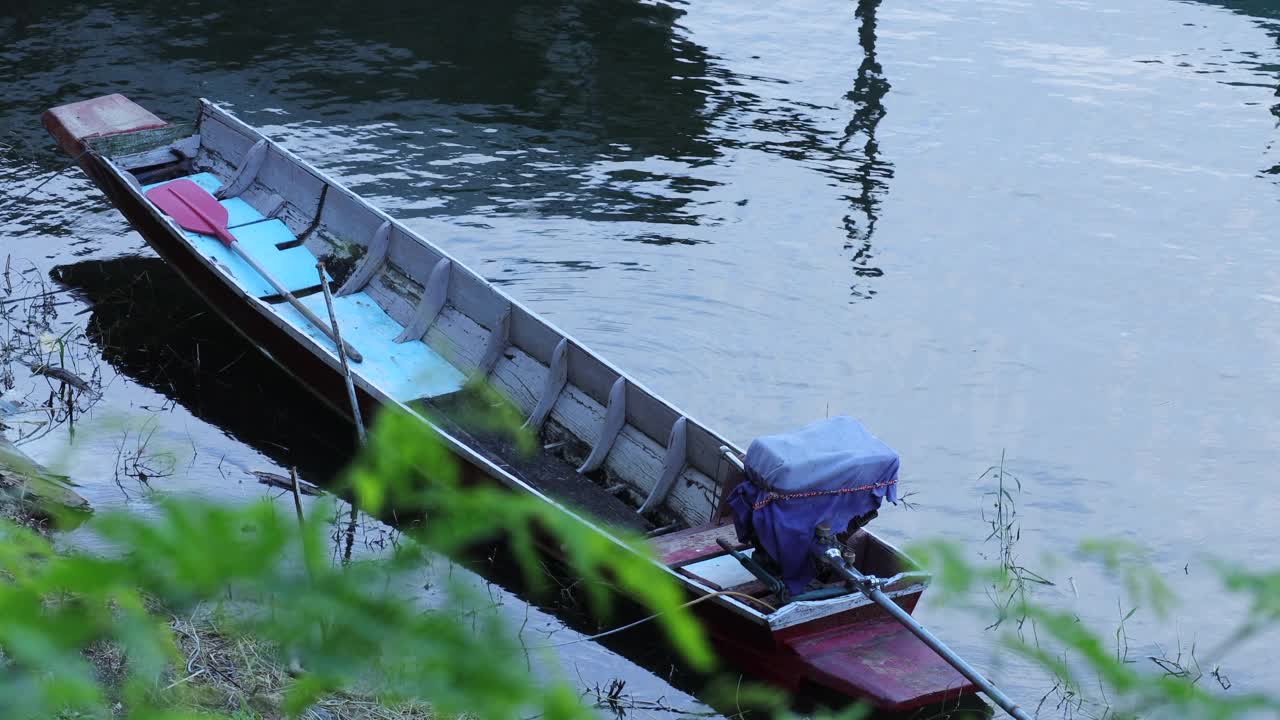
685 546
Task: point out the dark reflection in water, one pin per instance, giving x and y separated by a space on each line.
492 104
1257 8
1269 12
154 330
585 110
873 172
792 129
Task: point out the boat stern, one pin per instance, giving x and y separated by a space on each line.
74 123
880 660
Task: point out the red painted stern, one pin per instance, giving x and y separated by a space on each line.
76 122
881 660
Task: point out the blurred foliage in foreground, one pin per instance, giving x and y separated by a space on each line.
264 574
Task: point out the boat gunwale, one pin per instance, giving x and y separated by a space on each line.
230 122
780 618
456 446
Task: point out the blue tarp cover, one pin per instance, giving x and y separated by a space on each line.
831 471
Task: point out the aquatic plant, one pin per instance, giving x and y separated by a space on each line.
1090 668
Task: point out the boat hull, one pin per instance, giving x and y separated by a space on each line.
820 653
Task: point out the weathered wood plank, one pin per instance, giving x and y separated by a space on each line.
214 164
371 262
221 139
188 146
673 461
692 497
652 416
582 417
531 334
695 543
350 220
498 339
245 174
121 146
589 373
704 448
457 338
615 415
395 292
557 376
280 174
520 378
430 304
475 297
411 255
272 205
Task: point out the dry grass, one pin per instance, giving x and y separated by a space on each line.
225 674
233 676
245 677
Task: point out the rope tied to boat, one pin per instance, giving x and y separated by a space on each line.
774 496
641 621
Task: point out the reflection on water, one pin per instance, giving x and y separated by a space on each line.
1268 14
152 328
1057 210
1271 11
539 88
873 172
599 112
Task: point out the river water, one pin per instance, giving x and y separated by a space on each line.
1038 229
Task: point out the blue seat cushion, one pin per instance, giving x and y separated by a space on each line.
294 268
404 371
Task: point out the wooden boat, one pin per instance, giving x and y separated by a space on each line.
618 455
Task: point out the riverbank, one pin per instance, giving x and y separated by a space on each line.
216 670
242 676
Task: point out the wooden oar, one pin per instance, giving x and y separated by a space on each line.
342 356
869 585
198 211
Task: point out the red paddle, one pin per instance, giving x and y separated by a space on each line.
198 211
194 209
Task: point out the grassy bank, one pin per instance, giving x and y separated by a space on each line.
216 671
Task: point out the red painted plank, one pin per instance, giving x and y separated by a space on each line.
881 660
71 124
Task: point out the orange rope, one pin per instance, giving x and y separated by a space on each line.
772 496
